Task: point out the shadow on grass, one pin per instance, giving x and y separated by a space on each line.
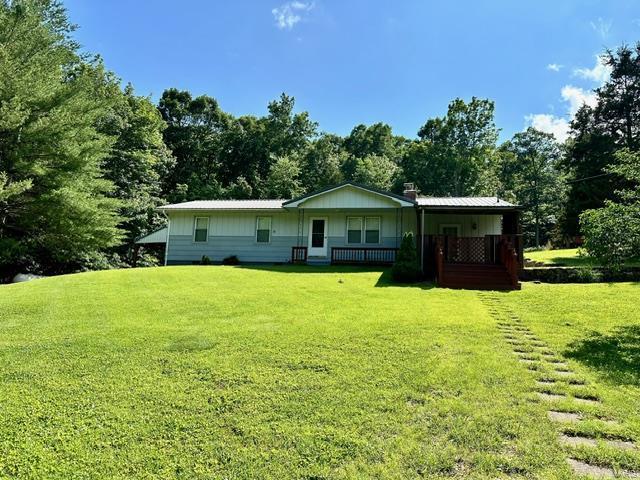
615 355
288 268
384 280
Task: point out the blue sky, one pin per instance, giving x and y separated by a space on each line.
355 61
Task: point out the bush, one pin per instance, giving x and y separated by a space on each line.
406 268
612 233
205 260
232 260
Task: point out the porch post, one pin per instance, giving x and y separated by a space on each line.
422 242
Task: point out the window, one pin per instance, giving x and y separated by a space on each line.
372 230
354 229
263 229
201 229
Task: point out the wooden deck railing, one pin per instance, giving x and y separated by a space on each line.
509 258
363 255
298 254
483 250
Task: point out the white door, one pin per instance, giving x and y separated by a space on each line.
318 236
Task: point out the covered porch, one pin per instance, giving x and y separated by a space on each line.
470 242
350 224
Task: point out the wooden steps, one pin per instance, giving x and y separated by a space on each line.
477 276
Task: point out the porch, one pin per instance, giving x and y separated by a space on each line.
470 243
489 262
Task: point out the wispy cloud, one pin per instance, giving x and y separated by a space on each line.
574 97
601 27
600 72
289 14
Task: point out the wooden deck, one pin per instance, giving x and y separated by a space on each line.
489 262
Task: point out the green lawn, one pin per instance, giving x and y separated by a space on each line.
305 373
568 257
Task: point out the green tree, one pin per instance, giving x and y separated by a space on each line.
612 232
375 171
283 181
138 161
376 140
321 163
193 134
530 175
598 132
52 100
459 151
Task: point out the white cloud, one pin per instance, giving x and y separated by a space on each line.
558 127
601 27
576 97
599 73
290 13
554 67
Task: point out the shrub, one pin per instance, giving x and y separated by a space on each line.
232 260
205 260
406 268
612 233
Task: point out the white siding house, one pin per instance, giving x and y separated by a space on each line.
348 223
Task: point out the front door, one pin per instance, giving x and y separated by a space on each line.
318 237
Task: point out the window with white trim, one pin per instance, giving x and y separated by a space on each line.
263 229
372 230
201 229
354 229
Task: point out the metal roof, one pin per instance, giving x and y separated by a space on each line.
226 205
464 202
158 236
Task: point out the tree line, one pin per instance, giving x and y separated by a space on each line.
84 163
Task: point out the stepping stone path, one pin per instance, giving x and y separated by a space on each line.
536 355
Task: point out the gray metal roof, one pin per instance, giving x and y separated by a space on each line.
159 236
226 205
464 202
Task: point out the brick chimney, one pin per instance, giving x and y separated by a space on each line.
410 191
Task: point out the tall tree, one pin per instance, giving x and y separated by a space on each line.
530 174
138 161
52 100
321 163
598 132
283 179
375 141
458 156
194 126
375 171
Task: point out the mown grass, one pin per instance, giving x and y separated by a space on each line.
569 257
596 330
239 373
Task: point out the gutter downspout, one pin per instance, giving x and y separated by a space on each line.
422 243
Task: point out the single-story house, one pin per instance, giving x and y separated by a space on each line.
467 241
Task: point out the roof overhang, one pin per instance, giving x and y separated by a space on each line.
398 199
498 210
